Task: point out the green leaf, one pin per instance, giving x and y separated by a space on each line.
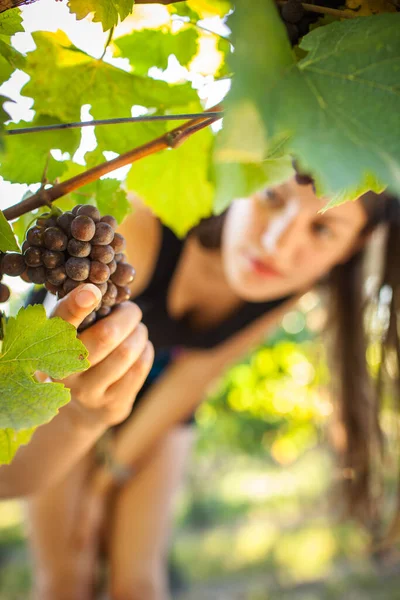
338 106
4 116
181 193
106 12
107 195
10 59
28 154
7 238
210 8
159 44
11 22
11 440
236 180
34 343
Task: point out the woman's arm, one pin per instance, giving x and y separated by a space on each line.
120 357
177 393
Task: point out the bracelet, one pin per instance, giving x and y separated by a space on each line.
120 473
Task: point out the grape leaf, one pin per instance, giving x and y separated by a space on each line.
210 8
159 44
28 154
4 116
338 106
236 180
7 238
31 343
107 195
11 440
10 59
181 194
63 78
11 22
107 12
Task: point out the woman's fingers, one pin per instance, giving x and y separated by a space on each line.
106 335
124 391
118 362
78 304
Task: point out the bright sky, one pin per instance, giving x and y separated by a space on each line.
50 16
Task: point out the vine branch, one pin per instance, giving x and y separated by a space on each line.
325 10
171 139
116 121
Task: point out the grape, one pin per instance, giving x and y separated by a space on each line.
102 287
104 254
4 292
110 295
36 274
55 239
64 222
70 284
78 248
89 211
293 33
89 320
120 257
292 11
34 236
104 234
123 295
56 276
112 266
78 268
53 289
61 294
110 220
99 272
52 259
103 311
83 228
76 208
25 277
46 220
13 264
118 243
33 257
25 245
124 274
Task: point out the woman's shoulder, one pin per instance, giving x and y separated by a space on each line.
143 233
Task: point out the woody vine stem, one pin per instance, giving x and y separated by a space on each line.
171 139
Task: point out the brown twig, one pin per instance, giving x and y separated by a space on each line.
171 139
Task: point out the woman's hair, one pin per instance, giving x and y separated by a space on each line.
359 398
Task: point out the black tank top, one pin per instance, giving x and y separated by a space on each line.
166 332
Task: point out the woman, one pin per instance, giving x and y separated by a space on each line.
206 301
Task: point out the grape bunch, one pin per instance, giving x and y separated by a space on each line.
4 289
63 250
297 19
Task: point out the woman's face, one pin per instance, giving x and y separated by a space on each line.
275 243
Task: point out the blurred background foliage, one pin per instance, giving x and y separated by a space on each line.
259 517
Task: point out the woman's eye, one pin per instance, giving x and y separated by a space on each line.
270 198
322 230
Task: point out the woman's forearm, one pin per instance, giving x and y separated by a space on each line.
52 451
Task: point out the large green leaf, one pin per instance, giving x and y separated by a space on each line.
10 59
152 47
339 106
11 22
34 343
107 195
28 154
107 12
11 440
175 183
7 238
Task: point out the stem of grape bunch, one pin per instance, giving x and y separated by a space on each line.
171 139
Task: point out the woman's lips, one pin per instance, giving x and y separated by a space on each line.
262 268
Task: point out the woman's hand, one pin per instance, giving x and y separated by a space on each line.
120 355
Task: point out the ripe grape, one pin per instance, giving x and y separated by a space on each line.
37 274
34 236
118 243
99 272
56 276
103 311
33 257
78 248
53 289
104 254
83 228
89 320
89 211
110 220
104 234
76 208
102 287
52 259
292 11
13 264
4 292
64 222
55 239
123 295
120 257
70 284
123 275
77 268
110 295
112 266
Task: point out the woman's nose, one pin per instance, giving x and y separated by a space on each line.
279 226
